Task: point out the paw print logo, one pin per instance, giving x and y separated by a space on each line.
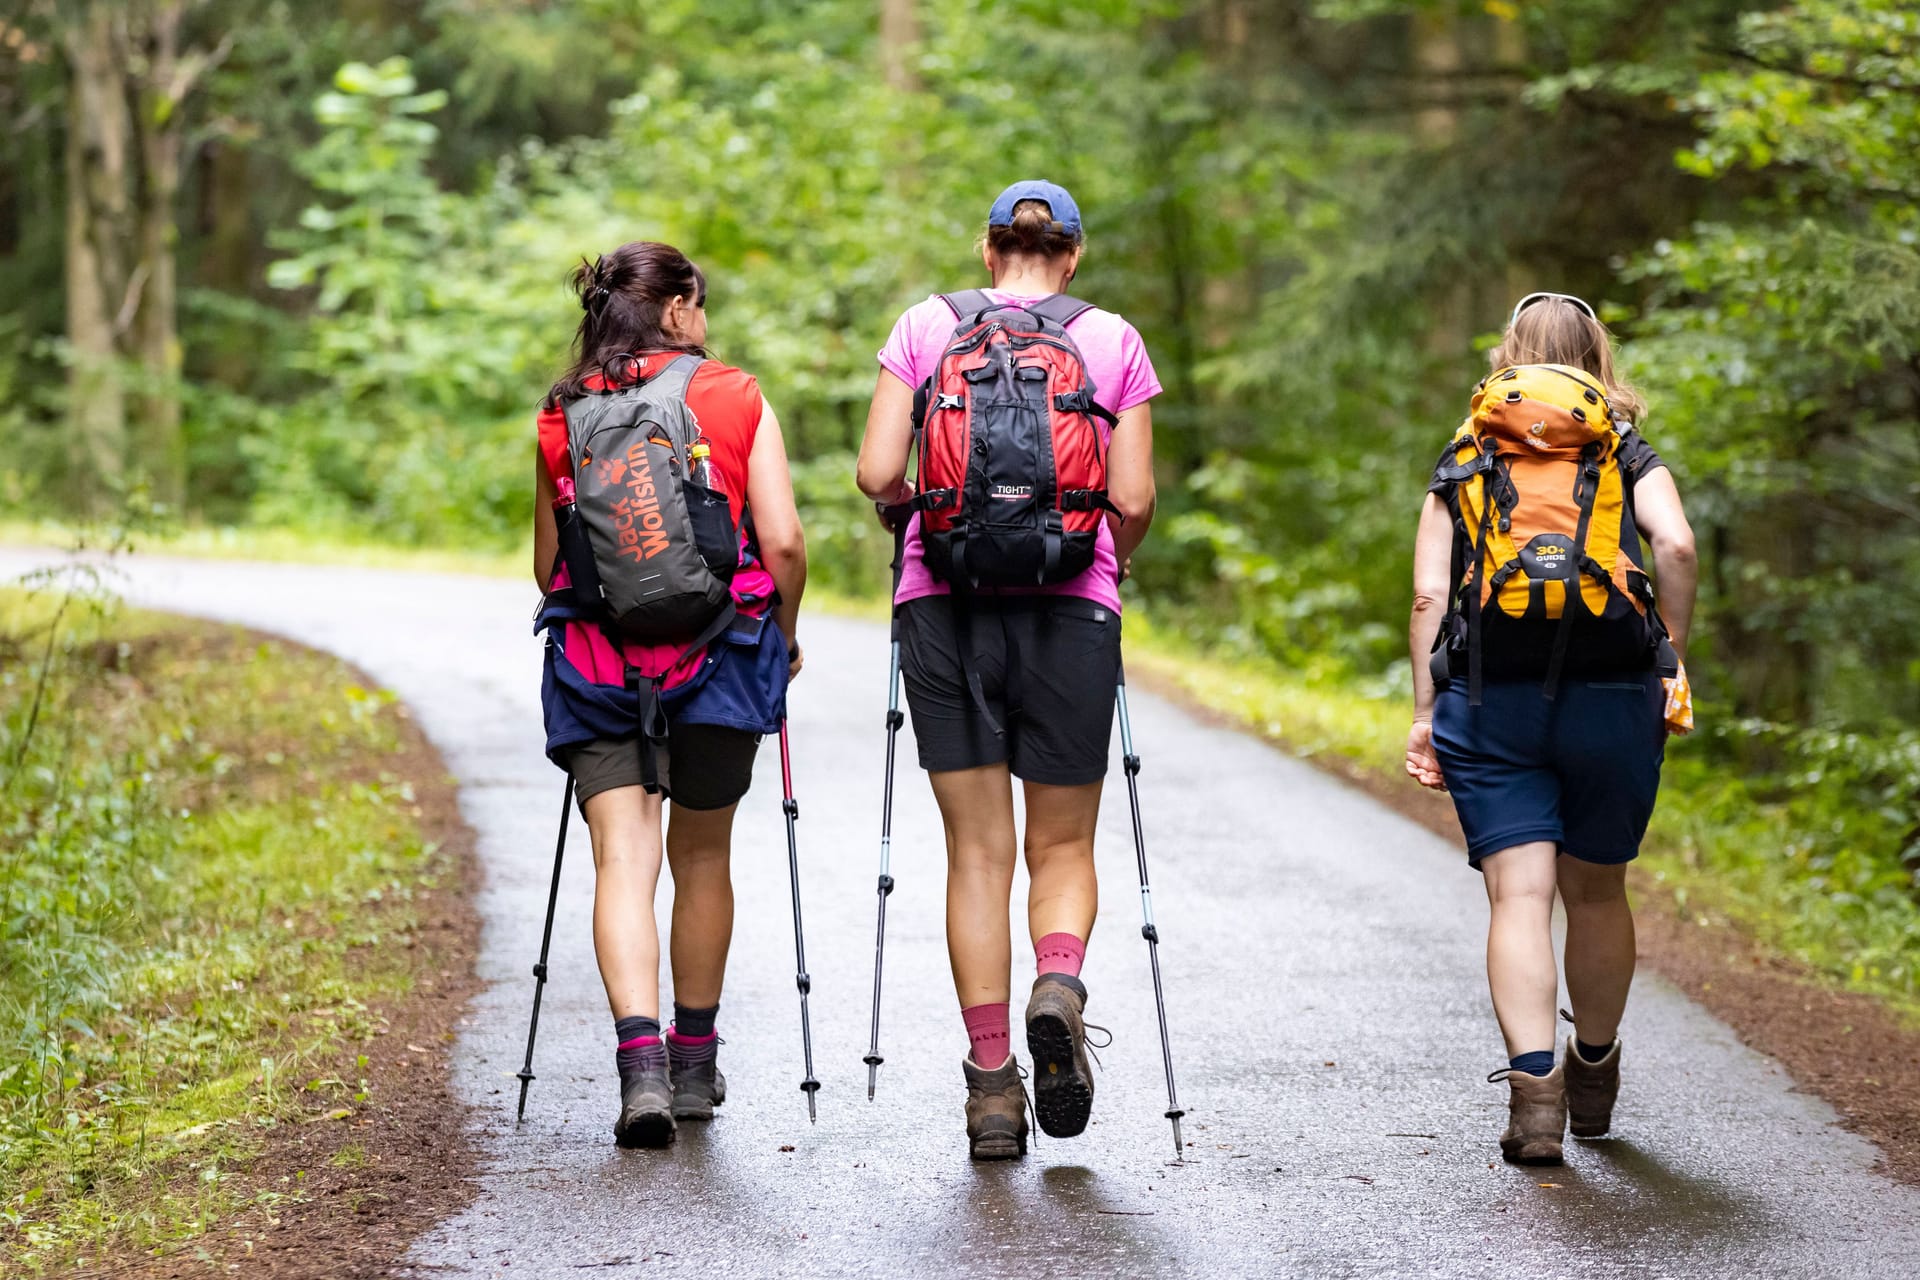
610 471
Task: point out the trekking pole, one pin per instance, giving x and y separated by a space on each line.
546 940
894 721
809 1086
1148 930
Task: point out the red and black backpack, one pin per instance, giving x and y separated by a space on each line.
1013 469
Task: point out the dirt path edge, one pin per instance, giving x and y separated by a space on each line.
345 1198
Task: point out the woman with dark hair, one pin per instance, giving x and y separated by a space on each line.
1007 681
645 319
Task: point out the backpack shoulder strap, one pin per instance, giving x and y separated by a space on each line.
968 302
676 376
1063 309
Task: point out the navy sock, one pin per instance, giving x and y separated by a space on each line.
1591 1052
638 1045
694 1022
1537 1063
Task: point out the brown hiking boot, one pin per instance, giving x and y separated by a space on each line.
996 1110
1591 1089
1057 1042
1537 1117
646 1109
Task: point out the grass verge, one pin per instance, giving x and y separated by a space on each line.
210 884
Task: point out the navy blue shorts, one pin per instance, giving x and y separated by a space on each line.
1581 770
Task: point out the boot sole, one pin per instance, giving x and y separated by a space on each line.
1533 1154
1062 1088
997 1146
650 1129
1590 1128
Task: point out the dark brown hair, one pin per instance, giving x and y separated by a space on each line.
1552 331
624 294
1033 234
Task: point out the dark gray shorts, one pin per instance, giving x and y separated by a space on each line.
707 766
1049 667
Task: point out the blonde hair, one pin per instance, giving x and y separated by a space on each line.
1553 331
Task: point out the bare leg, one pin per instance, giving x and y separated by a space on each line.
699 842
625 825
1600 946
1059 843
976 808
1520 968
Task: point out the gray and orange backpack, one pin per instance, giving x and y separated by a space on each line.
1547 566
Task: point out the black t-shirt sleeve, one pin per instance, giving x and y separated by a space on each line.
1637 457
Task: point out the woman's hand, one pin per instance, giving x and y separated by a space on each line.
795 660
1422 765
894 513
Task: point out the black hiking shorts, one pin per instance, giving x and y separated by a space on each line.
707 766
1048 667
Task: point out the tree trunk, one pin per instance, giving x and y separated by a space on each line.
899 33
99 160
161 448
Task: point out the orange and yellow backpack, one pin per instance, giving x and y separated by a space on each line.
1547 559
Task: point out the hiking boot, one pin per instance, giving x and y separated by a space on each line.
1057 1041
1591 1089
698 1086
996 1110
1536 1117
646 1109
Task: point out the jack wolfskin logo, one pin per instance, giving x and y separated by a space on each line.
636 517
610 471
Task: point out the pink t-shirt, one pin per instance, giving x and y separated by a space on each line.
1122 377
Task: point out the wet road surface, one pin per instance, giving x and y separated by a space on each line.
1323 966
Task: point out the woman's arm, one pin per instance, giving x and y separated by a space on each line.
776 525
546 534
1130 481
1432 583
1676 564
882 473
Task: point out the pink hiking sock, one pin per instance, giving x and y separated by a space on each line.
1059 953
989 1030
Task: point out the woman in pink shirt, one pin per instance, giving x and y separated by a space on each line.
1017 681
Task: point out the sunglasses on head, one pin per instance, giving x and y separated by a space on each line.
1532 298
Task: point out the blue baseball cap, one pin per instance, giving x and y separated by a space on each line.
1065 211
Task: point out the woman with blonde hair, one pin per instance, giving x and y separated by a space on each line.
1545 683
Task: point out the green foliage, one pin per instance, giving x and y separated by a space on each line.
198 834
1317 213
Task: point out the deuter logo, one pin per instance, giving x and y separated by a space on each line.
636 517
1013 492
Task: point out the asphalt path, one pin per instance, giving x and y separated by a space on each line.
1323 962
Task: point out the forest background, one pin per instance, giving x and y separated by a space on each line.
300 267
